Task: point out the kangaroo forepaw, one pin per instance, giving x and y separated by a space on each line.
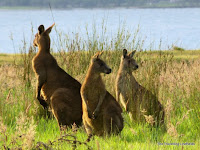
89 114
95 114
43 103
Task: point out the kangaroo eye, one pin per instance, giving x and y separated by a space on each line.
129 61
101 64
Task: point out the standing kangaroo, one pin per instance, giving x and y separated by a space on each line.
101 112
60 90
134 97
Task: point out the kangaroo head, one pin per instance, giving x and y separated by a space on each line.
99 65
42 38
128 61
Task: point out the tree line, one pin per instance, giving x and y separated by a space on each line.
99 3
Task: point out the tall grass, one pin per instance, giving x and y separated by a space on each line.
172 75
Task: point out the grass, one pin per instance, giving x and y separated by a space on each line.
23 119
172 75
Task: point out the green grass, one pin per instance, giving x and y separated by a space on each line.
176 73
172 75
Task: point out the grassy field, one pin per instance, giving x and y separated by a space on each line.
174 76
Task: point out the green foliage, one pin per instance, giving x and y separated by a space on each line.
172 75
20 110
176 48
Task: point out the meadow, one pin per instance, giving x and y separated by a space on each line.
173 75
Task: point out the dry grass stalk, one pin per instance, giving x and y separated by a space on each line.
149 119
69 138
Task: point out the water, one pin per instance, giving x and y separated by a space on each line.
180 27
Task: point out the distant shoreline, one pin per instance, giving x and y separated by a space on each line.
71 8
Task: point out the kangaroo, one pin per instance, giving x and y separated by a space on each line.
101 112
59 89
134 97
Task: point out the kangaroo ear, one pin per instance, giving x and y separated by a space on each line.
124 52
100 53
49 29
96 55
41 29
131 54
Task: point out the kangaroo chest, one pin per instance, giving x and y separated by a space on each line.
94 93
127 86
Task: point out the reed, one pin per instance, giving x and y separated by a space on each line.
173 76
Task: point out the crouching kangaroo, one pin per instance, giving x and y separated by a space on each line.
60 90
101 112
132 96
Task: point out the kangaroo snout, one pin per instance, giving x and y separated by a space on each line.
136 66
108 71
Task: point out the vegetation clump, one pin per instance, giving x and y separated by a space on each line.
173 76
176 48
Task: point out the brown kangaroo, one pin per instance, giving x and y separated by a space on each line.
60 90
134 97
101 112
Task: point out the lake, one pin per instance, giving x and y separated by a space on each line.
180 27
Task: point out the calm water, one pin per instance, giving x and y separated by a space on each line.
180 27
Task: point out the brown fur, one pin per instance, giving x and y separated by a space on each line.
101 112
134 97
60 90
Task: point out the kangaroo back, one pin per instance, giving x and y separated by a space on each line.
112 114
57 86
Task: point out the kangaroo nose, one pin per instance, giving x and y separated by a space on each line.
137 66
109 71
